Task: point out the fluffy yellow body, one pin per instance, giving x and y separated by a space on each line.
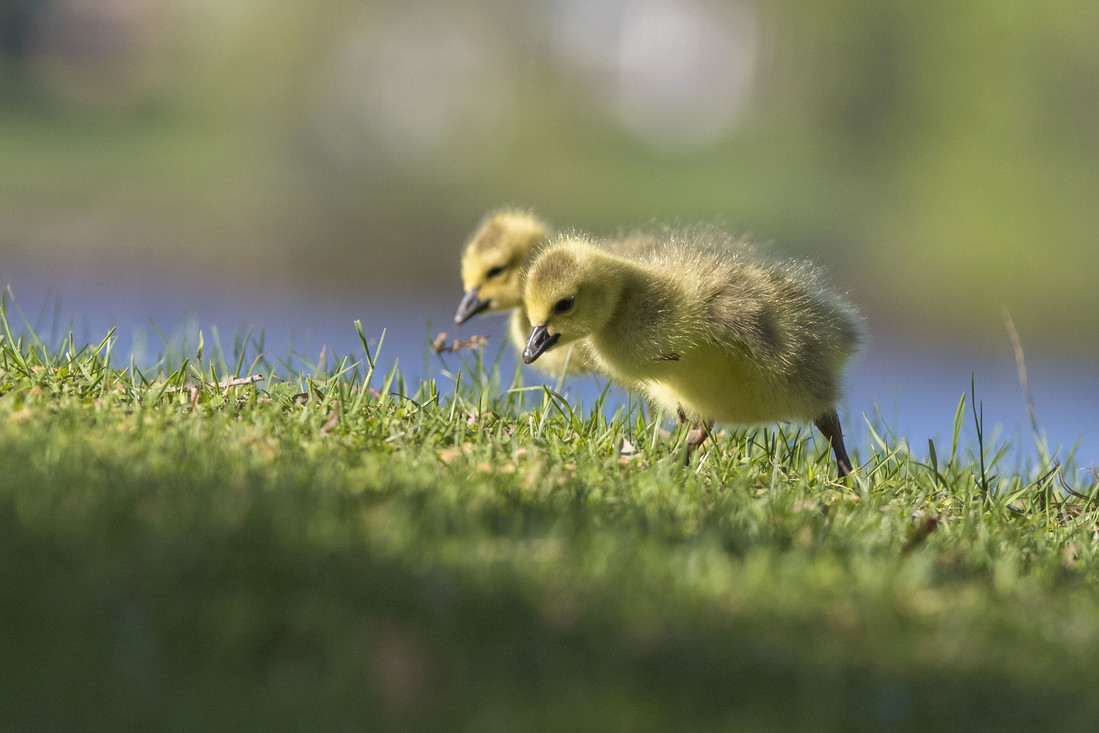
701 325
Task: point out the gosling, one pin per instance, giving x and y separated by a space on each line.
701 326
502 247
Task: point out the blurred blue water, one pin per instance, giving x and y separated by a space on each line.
910 390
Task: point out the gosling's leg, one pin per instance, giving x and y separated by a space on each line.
696 436
829 425
685 455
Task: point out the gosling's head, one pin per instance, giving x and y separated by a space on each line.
569 292
493 262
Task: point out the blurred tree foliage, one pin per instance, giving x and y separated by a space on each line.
943 157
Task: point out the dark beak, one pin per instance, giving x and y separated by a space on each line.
470 306
540 340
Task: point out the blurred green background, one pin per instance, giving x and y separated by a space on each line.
942 159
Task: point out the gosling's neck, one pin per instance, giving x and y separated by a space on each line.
627 337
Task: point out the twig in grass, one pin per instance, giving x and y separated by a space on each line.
223 384
440 345
1020 365
1069 489
238 381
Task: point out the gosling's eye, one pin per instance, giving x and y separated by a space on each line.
494 272
563 306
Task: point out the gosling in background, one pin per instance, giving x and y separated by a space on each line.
502 247
702 326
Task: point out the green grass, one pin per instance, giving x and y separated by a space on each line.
333 549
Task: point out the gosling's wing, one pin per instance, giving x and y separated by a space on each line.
743 322
787 319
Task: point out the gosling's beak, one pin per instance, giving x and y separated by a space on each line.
540 340
470 306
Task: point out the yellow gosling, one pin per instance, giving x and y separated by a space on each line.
493 261
701 326
502 247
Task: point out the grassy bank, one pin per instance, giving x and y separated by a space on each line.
189 547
